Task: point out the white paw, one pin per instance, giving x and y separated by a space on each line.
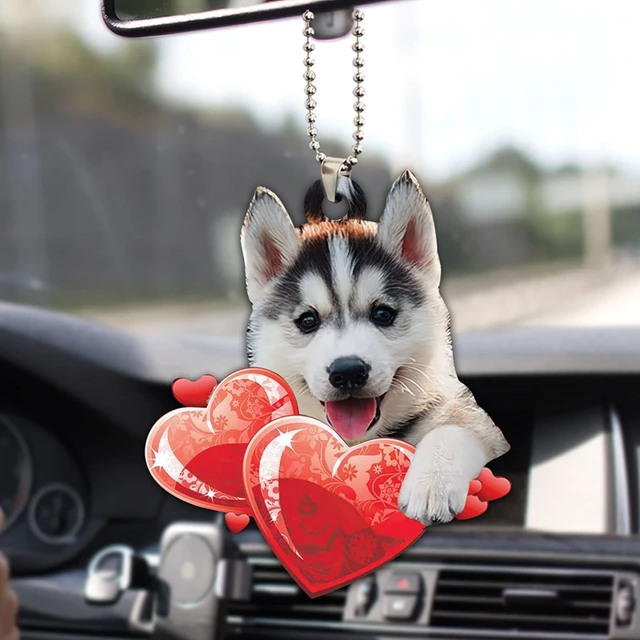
434 499
435 488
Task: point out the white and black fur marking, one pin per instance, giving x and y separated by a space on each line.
340 270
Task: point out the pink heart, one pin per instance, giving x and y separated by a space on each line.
197 454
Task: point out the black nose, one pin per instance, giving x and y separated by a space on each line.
349 373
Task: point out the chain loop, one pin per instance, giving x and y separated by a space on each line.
310 89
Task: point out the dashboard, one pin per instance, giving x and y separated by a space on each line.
77 400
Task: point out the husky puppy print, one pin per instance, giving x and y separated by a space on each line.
349 313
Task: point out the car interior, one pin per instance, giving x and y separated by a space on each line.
97 549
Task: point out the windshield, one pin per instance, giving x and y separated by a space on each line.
126 167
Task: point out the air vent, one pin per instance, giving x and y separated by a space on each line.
277 599
523 601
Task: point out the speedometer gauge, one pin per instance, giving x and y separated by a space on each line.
15 472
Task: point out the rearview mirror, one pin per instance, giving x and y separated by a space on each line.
142 18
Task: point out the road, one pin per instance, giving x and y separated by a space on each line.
615 305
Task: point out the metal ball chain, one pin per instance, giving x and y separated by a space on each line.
358 92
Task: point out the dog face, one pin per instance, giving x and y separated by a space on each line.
348 311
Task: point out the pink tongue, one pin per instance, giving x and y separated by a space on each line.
351 418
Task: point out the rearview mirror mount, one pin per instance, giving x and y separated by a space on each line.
146 18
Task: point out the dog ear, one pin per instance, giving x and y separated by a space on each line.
269 241
406 228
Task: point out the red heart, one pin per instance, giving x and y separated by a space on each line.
473 507
194 393
474 487
197 454
236 521
492 488
328 512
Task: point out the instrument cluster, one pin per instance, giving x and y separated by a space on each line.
41 490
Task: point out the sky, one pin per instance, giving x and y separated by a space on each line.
446 82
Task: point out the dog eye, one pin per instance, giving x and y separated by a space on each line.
382 315
308 322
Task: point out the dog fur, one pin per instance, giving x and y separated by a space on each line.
339 269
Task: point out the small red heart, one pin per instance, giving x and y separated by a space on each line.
474 487
473 508
236 521
194 393
197 454
492 488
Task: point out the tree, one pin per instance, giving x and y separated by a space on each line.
62 64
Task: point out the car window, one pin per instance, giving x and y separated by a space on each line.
126 166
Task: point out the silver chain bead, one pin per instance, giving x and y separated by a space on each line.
310 89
